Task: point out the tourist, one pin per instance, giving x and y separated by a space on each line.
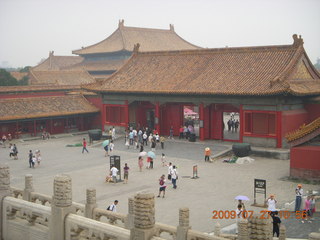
299 193
9 137
113 133
171 132
313 205
236 125
153 145
169 170
113 206
38 156
271 202
30 158
162 139
15 152
131 138
162 183
111 146
127 144
84 145
207 154
307 209
106 149
148 162
186 132
125 173
276 223
141 148
33 160
140 163
181 129
239 216
11 154
114 172
4 139
163 159
150 138
145 138
151 162
174 176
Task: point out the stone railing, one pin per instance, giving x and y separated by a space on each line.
164 228
78 227
40 198
303 130
24 214
113 217
16 192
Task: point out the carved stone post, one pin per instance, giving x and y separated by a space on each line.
260 228
143 217
61 206
91 202
28 183
217 229
4 191
282 235
182 229
243 230
314 236
129 223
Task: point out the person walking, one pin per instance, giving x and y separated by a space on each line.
174 176
299 193
15 152
171 132
113 207
239 216
162 139
84 145
140 163
114 172
153 145
162 183
163 159
125 173
11 154
113 133
38 156
181 130
207 154
30 158
170 168
111 146
145 138
106 149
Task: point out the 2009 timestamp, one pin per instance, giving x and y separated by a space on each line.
264 214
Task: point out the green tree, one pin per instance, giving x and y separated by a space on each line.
25 69
24 81
6 79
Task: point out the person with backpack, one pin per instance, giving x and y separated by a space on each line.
113 206
162 183
174 176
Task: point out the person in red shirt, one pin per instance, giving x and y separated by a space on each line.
181 132
84 145
207 154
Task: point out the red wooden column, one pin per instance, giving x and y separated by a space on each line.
201 118
126 113
103 116
157 117
279 129
51 120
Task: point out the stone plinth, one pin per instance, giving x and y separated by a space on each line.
91 202
182 229
4 189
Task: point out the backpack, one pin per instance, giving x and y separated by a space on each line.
161 182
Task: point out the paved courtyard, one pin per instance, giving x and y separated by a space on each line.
216 188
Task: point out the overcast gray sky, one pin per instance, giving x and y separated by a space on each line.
31 28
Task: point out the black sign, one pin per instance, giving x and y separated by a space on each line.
260 186
259 183
115 161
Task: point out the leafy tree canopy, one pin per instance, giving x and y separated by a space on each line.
6 79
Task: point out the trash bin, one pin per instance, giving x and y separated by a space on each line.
192 137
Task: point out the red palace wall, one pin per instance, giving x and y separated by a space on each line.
97 120
171 115
292 120
305 162
313 111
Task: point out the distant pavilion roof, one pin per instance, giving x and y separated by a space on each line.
267 70
60 77
57 62
124 38
38 107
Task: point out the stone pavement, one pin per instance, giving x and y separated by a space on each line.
216 188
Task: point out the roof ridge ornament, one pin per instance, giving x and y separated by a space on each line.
121 23
171 27
136 48
297 41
